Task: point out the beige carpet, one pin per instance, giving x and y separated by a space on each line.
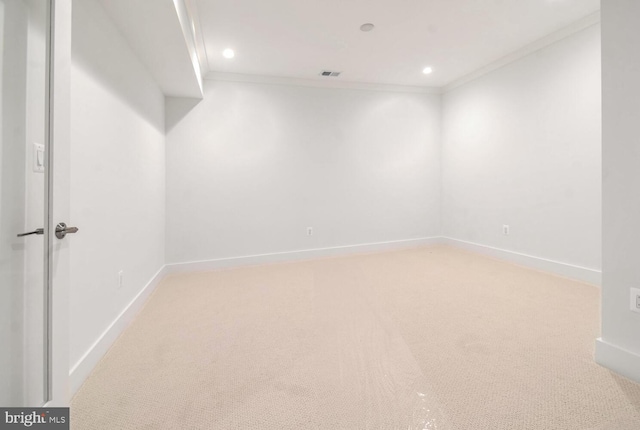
428 338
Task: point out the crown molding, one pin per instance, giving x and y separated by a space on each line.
529 49
201 51
334 83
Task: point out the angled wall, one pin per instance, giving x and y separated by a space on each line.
117 182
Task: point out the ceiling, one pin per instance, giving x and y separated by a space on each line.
299 38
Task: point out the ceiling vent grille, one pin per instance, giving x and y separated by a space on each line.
329 73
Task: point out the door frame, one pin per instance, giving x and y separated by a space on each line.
58 201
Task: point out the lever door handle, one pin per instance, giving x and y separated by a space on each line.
36 231
62 230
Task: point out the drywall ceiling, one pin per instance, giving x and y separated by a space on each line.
299 38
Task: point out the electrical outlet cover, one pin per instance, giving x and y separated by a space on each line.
38 157
635 300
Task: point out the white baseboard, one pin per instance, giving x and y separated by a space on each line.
621 361
81 370
584 274
306 254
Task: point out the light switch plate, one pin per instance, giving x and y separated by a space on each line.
635 300
38 158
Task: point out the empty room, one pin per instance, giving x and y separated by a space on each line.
350 215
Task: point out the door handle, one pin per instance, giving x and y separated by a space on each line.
36 231
62 230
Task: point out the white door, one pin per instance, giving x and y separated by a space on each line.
33 261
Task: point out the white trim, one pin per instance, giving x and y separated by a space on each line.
324 83
291 256
203 57
83 368
59 159
584 274
621 361
539 44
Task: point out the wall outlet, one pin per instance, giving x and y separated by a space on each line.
120 276
505 229
309 231
635 300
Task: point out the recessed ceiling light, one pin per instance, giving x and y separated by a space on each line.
228 53
427 70
367 27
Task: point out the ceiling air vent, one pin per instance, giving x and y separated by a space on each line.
328 73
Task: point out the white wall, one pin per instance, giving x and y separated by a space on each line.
253 165
619 347
521 146
118 165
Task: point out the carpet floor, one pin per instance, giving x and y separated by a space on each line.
431 338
